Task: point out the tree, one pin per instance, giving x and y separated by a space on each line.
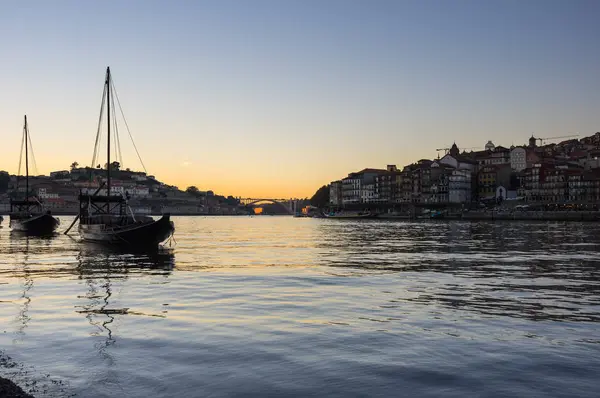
114 166
193 190
4 181
74 165
321 197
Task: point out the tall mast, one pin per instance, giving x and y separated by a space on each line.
26 162
108 140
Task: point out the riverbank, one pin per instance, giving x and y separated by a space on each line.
72 213
502 215
533 215
10 389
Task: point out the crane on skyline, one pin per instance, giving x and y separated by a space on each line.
543 140
446 150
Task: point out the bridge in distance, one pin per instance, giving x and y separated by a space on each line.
291 206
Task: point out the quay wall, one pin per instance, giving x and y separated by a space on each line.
531 215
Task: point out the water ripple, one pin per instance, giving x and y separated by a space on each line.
305 307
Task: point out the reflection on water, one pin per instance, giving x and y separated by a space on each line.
306 307
23 317
538 271
99 265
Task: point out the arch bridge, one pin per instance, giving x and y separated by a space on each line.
289 205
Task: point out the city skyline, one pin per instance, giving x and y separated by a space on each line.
277 99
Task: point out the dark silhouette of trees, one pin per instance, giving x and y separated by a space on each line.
193 190
4 181
321 197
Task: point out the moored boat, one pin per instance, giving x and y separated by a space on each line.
437 214
121 228
32 223
27 215
107 218
350 215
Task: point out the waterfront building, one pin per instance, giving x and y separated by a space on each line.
549 183
490 177
357 187
351 189
405 187
367 193
553 185
335 193
388 185
439 176
421 184
537 173
584 187
459 186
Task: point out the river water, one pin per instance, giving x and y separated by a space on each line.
279 306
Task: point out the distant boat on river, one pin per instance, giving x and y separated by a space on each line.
27 214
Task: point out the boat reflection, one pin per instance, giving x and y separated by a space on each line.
23 317
22 242
98 258
101 268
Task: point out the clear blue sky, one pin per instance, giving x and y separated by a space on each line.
275 98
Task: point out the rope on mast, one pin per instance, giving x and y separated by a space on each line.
96 145
127 126
117 138
21 156
35 169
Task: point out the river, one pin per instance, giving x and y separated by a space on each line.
281 306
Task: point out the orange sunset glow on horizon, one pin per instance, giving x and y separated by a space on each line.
281 104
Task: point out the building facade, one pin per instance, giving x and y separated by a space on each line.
459 186
335 193
518 159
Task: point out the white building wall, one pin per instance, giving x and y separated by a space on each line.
351 191
518 159
367 193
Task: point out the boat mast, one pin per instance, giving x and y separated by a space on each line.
26 163
108 140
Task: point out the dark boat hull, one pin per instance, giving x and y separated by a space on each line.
41 224
146 234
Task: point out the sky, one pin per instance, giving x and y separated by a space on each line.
274 99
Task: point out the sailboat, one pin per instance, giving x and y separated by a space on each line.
106 217
28 215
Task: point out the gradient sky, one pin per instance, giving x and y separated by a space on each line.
276 98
